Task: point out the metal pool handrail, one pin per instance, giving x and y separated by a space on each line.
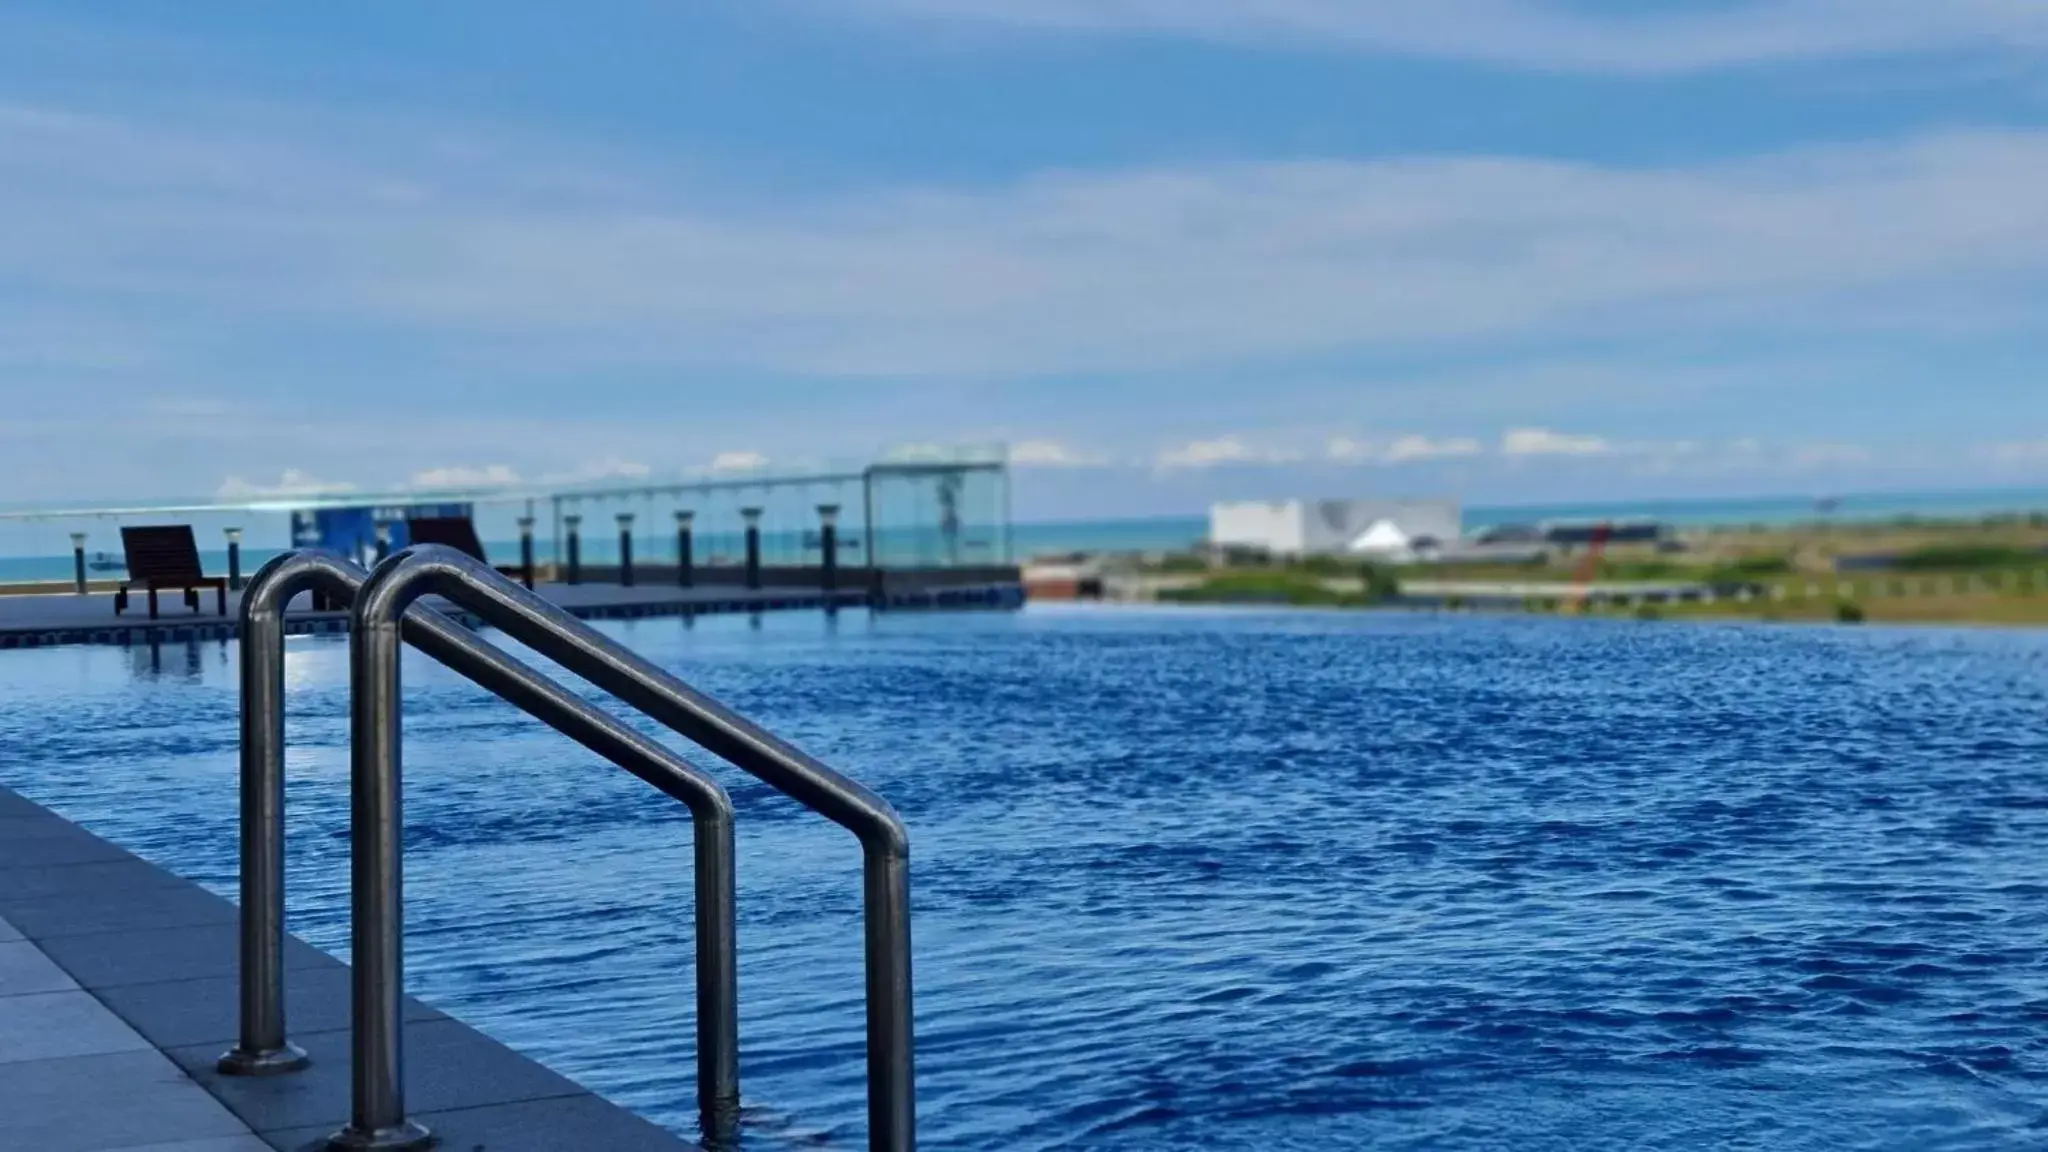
377 924
263 1048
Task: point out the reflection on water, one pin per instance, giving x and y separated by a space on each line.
181 660
1218 880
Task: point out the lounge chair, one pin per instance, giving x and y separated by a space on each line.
457 532
166 557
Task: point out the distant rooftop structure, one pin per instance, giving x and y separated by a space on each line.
1388 528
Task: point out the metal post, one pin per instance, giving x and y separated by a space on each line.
376 892
526 550
262 1047
753 519
626 549
892 1076
555 548
874 559
78 561
555 634
234 536
686 561
571 524
828 543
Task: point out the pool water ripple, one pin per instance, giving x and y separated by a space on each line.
1198 880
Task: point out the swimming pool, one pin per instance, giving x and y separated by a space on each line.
1205 879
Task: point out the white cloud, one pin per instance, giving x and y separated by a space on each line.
1052 454
1221 451
1543 442
1423 448
1346 450
604 468
2019 453
1207 454
1547 35
738 462
1402 450
918 453
488 476
293 482
1218 266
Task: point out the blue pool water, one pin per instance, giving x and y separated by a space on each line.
1206 880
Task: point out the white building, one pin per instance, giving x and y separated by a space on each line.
1395 530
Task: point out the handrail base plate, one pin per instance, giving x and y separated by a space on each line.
406 1137
276 1062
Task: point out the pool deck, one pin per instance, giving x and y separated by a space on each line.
35 621
118 991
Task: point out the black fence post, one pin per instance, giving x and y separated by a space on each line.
686 560
78 560
234 536
753 518
570 525
626 549
526 551
828 544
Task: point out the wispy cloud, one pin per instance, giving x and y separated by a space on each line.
2018 453
1543 35
1220 451
1053 454
744 461
1423 448
1544 442
460 476
1218 266
292 482
1400 450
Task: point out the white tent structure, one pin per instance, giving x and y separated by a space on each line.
1383 541
1334 527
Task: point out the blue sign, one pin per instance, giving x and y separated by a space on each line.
353 531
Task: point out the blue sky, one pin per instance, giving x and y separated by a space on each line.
1169 250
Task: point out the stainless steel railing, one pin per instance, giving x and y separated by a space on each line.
263 1047
383 615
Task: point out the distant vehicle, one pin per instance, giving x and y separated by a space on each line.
1604 532
106 562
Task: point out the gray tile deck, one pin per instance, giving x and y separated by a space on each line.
24 971
118 993
97 1103
120 910
89 881
448 1065
201 1012
26 850
205 1144
153 956
558 1124
49 1025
